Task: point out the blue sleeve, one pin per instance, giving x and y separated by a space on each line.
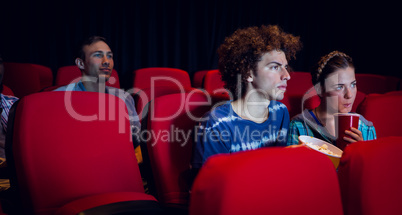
209 140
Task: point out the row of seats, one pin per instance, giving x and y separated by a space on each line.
98 172
38 77
302 181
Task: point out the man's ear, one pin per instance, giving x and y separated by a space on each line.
80 63
250 77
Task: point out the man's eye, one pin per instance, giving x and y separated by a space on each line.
276 68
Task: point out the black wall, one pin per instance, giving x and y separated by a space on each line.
186 33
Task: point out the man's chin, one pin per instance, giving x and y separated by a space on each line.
103 78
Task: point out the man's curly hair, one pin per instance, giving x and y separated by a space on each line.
241 52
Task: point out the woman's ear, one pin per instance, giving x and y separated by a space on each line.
80 63
318 89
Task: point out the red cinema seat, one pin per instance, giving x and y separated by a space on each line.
7 91
161 77
144 97
385 112
198 78
299 83
172 120
69 74
26 78
373 83
370 175
214 85
267 181
74 156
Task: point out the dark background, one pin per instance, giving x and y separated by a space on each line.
186 33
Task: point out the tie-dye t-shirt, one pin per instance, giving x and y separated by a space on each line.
223 131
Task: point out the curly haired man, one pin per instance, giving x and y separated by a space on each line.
254 66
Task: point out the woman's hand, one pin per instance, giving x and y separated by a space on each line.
354 135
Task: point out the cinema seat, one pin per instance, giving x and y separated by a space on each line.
175 115
160 76
214 85
74 156
385 113
284 181
26 78
68 74
370 175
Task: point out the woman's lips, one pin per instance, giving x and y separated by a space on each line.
347 105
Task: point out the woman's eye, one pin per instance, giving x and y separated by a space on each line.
339 87
353 85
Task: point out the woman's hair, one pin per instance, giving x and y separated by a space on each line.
241 52
329 64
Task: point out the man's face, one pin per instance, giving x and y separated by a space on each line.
271 75
98 61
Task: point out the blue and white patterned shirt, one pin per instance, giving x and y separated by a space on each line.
5 105
223 131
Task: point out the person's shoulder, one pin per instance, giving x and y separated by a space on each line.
219 113
9 98
69 87
364 120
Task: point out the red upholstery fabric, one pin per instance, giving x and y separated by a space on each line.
373 83
7 91
173 117
69 74
26 78
385 113
143 97
198 78
164 77
78 146
267 181
101 199
299 83
370 175
214 85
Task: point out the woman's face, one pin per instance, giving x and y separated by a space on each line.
340 90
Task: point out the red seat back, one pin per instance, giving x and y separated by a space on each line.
145 96
173 117
79 146
299 83
26 78
267 181
214 85
370 175
198 78
385 113
68 74
373 83
160 76
7 91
